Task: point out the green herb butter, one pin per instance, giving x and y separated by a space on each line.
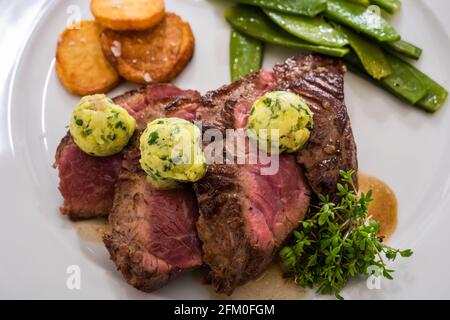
100 127
282 119
171 152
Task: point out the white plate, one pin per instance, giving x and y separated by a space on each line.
405 147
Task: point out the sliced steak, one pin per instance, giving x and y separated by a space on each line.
149 102
87 182
226 107
153 235
245 216
331 147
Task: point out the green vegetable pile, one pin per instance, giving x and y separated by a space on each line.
338 241
354 30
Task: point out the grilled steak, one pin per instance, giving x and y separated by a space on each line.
153 235
245 216
87 182
331 147
149 103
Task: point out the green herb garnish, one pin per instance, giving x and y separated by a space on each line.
153 137
338 241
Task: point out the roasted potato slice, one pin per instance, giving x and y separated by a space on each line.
128 14
150 56
80 63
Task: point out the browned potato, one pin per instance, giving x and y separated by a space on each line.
80 63
150 56
128 14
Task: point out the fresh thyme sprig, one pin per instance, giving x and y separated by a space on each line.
338 241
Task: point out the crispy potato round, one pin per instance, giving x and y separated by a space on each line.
128 14
150 56
80 63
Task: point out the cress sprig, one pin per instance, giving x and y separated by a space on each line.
338 241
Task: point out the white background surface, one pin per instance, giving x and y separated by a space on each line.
406 148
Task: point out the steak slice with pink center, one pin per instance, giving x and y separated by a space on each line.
86 182
245 216
153 235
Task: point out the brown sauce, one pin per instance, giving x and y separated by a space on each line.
269 286
383 207
92 230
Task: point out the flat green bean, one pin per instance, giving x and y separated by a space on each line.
404 48
405 82
302 7
254 23
370 54
246 55
363 2
436 94
314 30
390 6
361 19
404 77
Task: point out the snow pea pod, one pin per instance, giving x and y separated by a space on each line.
405 48
436 94
361 19
403 81
370 55
302 7
246 55
390 6
254 23
315 30
406 82
363 2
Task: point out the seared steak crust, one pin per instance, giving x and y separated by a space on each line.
222 228
331 147
225 108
